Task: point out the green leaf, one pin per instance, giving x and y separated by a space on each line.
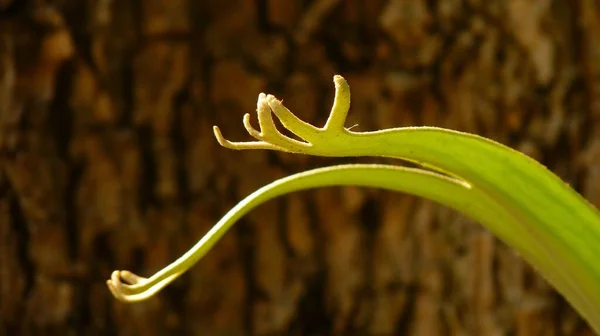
520 201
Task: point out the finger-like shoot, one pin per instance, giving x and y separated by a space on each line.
316 140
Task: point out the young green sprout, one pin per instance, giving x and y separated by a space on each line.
520 201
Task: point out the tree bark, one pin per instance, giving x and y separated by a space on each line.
107 161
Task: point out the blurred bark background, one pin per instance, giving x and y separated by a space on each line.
107 161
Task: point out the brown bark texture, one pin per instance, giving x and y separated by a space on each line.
108 161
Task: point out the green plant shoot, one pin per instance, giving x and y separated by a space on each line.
516 198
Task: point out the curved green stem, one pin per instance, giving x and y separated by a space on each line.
519 200
442 189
